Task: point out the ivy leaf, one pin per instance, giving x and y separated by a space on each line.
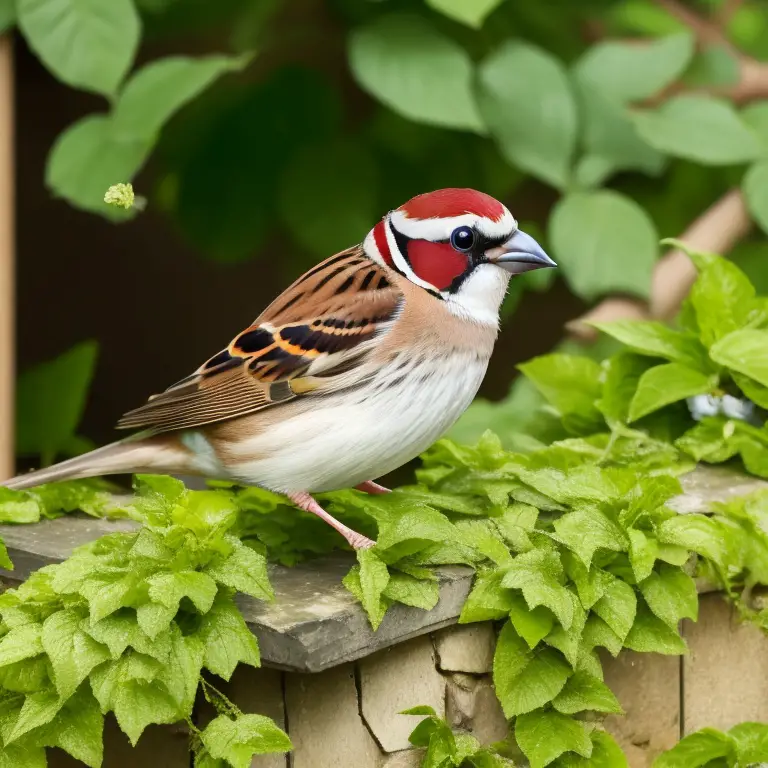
181 673
598 633
22 756
21 643
622 374
671 595
532 625
665 384
650 634
158 90
154 618
699 128
374 577
415 71
571 383
587 529
745 351
86 159
525 681
626 72
244 570
606 753
38 709
488 600
617 607
237 740
751 741
544 736
643 551
754 188
532 118
472 13
582 692
419 593
695 533
537 574
587 229
51 399
591 583
227 639
85 43
698 749
78 729
169 588
72 652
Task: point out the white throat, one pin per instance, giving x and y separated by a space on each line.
479 297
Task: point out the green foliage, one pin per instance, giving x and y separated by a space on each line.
50 402
128 623
744 745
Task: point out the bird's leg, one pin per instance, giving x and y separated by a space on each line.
304 501
373 488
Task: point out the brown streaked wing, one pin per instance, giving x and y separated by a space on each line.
324 323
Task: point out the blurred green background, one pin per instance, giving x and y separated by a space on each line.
267 135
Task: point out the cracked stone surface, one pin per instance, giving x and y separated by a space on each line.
324 721
396 679
466 648
471 705
409 758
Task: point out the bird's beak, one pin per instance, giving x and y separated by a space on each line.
521 253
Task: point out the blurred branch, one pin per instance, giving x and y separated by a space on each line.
727 12
717 230
753 74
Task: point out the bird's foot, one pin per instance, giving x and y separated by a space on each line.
373 488
355 540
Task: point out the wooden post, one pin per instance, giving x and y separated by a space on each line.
7 258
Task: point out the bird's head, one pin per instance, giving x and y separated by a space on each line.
460 245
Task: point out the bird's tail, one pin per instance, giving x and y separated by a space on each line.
135 455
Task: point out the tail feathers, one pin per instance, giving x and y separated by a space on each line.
125 457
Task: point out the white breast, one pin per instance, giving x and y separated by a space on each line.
365 433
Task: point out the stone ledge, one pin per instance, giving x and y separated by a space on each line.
314 623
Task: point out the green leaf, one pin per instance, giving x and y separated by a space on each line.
85 43
16 756
72 652
532 118
236 741
86 159
671 595
21 643
244 570
665 384
523 680
598 633
472 13
587 529
169 588
755 115
343 174
50 401
591 584
544 736
78 729
488 599
606 753
39 708
622 373
537 573
588 229
751 741
121 629
532 625
699 128
7 15
650 634
571 383
657 340
698 749
582 692
181 673
420 593
617 607
755 188
227 639
416 71
745 351
626 72
643 551
160 89
696 533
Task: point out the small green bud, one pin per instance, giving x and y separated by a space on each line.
120 194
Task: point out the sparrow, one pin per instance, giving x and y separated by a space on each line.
357 368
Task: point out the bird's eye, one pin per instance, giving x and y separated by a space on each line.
463 238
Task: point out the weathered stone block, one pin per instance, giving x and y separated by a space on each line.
466 648
396 679
648 688
726 671
324 721
408 758
471 704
